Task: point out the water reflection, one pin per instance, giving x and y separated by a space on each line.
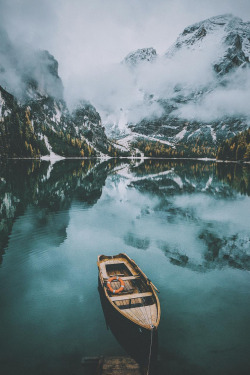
187 193
186 223
236 175
48 190
193 176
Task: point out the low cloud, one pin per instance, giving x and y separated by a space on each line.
115 92
90 38
123 95
232 100
23 67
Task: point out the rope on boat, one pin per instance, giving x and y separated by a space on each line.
150 349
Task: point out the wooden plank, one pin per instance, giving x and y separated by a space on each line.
124 278
120 366
131 296
131 277
117 274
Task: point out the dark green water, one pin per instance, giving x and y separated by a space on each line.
185 223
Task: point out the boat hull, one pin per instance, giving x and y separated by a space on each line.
135 340
141 306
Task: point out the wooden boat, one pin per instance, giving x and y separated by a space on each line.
136 300
134 340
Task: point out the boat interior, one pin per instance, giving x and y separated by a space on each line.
136 299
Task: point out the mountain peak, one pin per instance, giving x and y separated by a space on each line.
201 84
212 23
226 34
139 56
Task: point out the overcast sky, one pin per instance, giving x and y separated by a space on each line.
85 34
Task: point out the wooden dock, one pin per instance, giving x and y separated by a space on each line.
110 366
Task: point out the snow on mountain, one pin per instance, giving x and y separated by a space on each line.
226 34
127 141
198 92
52 156
201 84
140 56
32 103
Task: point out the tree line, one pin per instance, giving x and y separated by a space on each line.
236 148
19 139
158 149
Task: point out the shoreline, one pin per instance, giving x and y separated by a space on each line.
57 159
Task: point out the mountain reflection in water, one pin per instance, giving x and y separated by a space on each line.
185 222
51 189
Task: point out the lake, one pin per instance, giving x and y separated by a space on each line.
185 223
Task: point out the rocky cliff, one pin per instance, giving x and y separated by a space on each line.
34 118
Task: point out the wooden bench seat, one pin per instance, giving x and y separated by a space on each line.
131 296
124 278
131 277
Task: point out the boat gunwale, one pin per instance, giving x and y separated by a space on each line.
143 276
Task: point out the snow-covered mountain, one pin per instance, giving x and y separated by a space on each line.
196 94
32 108
139 56
201 84
228 33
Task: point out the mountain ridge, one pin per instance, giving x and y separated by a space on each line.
199 106
194 95
34 117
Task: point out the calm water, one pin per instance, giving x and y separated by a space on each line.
185 223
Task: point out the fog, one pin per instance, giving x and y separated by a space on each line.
122 95
89 39
119 92
232 101
23 69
